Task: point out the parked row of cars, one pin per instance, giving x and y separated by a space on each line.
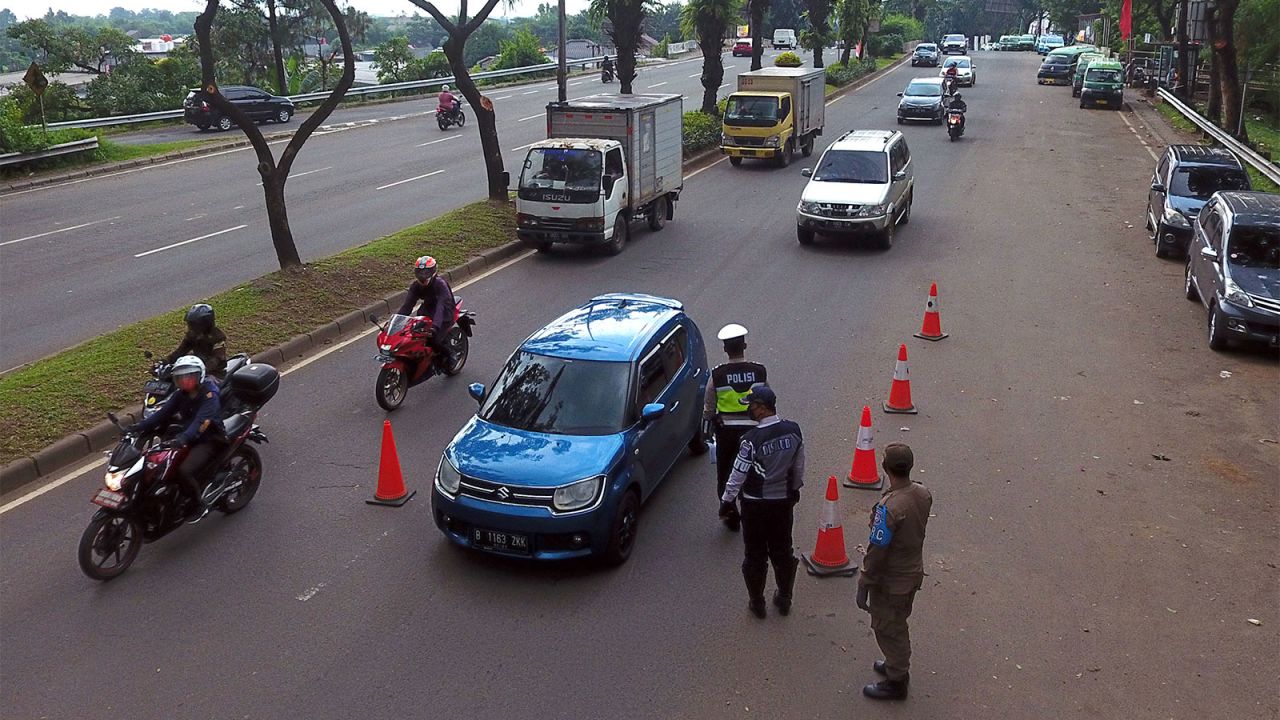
1201 207
1094 78
1009 43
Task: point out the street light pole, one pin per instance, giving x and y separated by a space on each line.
562 68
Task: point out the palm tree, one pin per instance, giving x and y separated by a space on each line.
358 23
756 10
708 22
625 23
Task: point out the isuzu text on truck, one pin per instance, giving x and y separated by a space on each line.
609 160
774 112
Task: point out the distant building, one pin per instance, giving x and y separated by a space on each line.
157 47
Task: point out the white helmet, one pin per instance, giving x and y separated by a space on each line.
188 365
445 88
732 331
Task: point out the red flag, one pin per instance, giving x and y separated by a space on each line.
1126 19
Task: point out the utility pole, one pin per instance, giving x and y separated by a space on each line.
562 69
1180 86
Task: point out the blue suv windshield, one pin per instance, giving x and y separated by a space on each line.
547 394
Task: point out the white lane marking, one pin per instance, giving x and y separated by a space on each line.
535 142
530 117
529 93
298 175
311 592
696 75
73 474
401 182
59 230
188 242
1145 146
708 167
576 83
137 169
195 217
433 142
657 85
723 86
504 97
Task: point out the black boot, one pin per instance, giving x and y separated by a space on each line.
786 577
878 666
755 578
887 690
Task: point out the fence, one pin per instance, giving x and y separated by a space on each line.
1244 152
67 148
312 97
676 48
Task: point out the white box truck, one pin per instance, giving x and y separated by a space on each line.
774 112
608 161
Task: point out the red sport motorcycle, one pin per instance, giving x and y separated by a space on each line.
407 357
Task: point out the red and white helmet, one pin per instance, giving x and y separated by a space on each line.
424 269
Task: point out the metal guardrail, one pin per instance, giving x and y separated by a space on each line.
66 148
1220 136
362 91
676 48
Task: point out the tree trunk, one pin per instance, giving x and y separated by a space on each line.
712 72
844 54
1213 109
818 11
486 120
1181 85
626 60
757 27
278 216
1224 50
282 87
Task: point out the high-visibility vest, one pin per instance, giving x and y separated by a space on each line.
732 382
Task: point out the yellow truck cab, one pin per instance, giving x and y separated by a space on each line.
773 113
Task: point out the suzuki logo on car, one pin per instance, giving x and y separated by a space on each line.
504 494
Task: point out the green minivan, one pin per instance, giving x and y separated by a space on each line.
1026 42
1103 85
1082 63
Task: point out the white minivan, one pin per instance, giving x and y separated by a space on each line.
784 38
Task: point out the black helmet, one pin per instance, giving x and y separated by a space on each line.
200 318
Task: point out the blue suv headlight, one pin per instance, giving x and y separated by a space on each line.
577 495
448 479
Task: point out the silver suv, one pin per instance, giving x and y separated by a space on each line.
863 184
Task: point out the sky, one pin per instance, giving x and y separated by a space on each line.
25 9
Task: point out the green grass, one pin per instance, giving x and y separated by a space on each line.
882 63
109 151
74 389
1260 132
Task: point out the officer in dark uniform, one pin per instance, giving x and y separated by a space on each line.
768 474
204 340
723 411
893 570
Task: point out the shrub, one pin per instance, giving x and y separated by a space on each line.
839 74
884 45
788 59
701 131
521 50
661 50
905 25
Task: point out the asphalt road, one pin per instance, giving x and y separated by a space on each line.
105 251
1071 574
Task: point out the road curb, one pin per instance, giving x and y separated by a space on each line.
78 445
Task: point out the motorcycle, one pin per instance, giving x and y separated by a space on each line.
955 124
606 75
407 357
142 499
450 116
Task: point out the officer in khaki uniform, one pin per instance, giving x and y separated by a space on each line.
893 570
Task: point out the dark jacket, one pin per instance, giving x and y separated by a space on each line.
210 347
437 302
202 414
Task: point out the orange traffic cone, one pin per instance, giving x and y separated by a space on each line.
390 481
900 390
865 474
829 557
931 329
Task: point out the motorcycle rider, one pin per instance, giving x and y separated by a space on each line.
197 404
437 303
958 105
204 340
447 101
606 69
949 79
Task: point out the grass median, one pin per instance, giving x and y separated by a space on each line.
74 389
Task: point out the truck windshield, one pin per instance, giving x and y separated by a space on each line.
852 166
748 110
1102 76
561 175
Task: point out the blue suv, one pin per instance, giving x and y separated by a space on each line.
585 420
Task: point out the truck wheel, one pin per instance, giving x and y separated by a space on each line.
886 237
735 160
658 213
784 155
804 236
807 148
620 231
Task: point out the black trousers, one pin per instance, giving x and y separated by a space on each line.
766 535
192 468
728 440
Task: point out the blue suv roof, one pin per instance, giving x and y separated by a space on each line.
608 327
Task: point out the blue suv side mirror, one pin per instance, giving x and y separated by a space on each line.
476 390
652 412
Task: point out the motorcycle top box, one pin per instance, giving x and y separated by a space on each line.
255 383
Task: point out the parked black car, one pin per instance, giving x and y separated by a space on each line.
1056 70
1186 177
1233 267
925 54
258 104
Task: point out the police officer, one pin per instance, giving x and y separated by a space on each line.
730 383
768 474
893 570
203 339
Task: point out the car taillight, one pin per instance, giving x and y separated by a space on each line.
204 105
